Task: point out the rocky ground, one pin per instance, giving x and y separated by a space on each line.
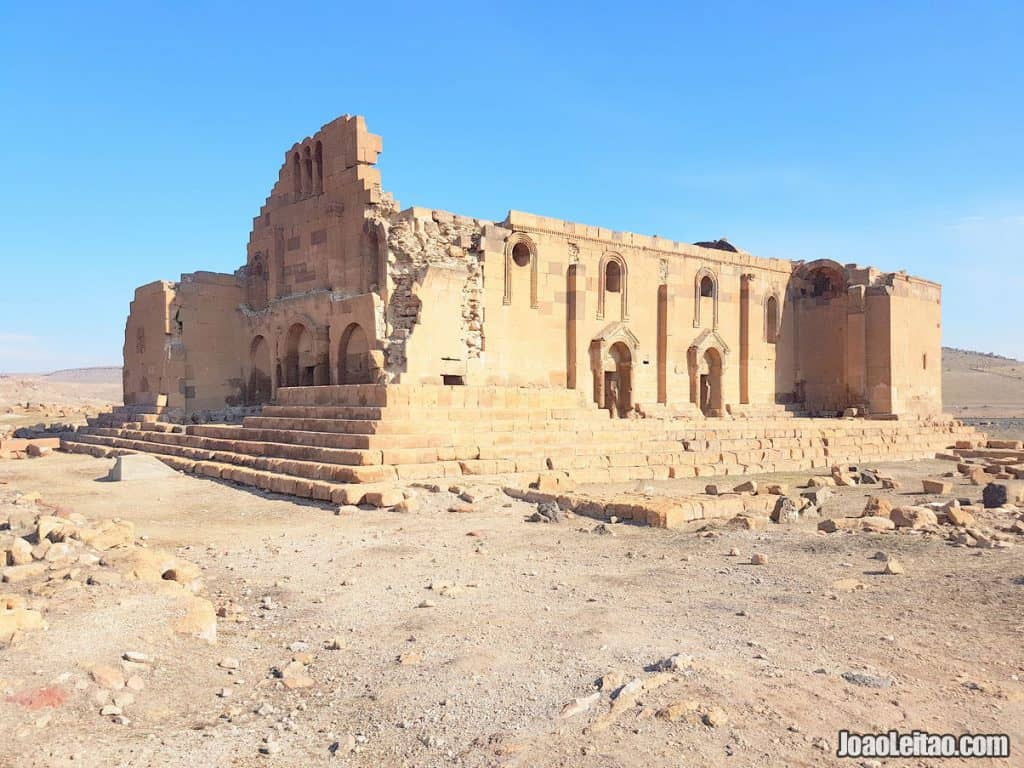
474 638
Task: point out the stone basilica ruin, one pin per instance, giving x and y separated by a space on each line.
373 343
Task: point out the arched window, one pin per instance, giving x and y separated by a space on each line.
614 279
520 252
318 162
771 319
307 180
705 299
297 175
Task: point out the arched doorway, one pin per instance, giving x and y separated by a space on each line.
710 386
260 366
299 357
354 357
618 384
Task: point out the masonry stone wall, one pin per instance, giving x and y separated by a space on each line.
342 286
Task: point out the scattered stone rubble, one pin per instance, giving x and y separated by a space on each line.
995 523
47 551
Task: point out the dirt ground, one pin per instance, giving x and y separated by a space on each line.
522 620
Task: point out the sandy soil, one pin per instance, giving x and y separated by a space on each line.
522 620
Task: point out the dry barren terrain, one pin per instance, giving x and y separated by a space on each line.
476 638
461 638
61 397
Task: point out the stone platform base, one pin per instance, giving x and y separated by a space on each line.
330 443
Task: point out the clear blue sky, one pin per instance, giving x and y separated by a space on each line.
137 140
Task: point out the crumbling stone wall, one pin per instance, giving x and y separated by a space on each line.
419 240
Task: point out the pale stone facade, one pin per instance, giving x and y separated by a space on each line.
340 286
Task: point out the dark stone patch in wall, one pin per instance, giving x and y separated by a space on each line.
319 237
294 243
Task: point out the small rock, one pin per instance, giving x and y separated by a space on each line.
135 683
786 510
580 705
893 567
612 680
995 495
939 487
913 517
877 507
758 559
107 677
677 711
271 747
866 680
715 717
957 515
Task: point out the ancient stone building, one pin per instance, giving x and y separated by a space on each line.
342 286
373 345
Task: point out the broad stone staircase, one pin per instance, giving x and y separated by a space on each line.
337 443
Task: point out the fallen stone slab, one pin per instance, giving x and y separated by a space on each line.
139 466
939 487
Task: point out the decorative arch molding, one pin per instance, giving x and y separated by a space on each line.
613 354
709 339
607 338
702 273
602 277
520 238
707 360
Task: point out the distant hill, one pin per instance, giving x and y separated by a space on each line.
98 375
980 384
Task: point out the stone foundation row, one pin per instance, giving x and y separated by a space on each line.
318 440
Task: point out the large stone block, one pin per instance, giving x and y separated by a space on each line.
139 466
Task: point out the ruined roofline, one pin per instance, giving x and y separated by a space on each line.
871 275
437 214
530 222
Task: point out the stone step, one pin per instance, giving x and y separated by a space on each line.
252 447
438 415
326 439
336 493
421 396
624 460
310 470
